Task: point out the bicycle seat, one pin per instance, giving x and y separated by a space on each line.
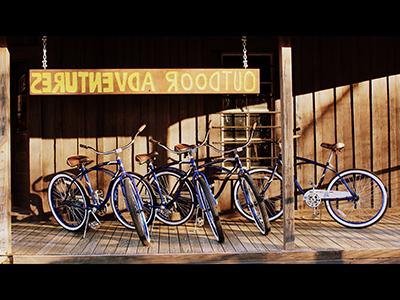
76 160
184 147
334 147
145 157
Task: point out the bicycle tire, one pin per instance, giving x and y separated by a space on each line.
120 211
272 196
210 211
58 212
261 218
339 215
184 207
136 213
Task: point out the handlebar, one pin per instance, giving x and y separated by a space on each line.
116 150
198 144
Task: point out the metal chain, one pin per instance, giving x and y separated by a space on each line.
44 61
244 43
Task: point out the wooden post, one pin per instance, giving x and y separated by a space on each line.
5 156
285 70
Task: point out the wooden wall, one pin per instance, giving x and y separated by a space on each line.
59 124
346 89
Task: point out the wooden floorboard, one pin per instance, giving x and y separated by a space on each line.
317 240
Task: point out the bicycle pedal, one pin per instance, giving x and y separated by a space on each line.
199 222
94 225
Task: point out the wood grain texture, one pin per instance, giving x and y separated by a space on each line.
317 241
285 64
5 155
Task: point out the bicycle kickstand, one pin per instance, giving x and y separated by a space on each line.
92 225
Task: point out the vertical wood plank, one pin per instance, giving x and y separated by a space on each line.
362 141
325 127
89 135
394 103
285 68
380 137
48 144
343 119
305 120
5 155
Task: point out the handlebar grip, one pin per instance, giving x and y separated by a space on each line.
83 146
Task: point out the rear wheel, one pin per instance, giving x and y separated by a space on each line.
210 211
364 211
67 201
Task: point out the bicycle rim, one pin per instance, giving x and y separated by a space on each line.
272 196
182 209
67 202
368 209
120 209
253 205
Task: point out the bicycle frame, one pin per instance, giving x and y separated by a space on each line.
120 173
237 165
326 167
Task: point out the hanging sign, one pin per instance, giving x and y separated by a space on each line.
144 81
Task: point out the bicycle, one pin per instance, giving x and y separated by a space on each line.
354 198
72 204
174 196
198 185
245 191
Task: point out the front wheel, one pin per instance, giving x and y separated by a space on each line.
136 212
119 205
255 206
370 202
210 209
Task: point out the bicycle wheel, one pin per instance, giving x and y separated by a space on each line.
267 187
136 212
254 206
210 211
67 201
178 195
120 208
365 211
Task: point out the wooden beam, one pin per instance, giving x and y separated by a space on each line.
5 154
285 70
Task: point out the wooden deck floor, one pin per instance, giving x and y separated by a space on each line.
317 241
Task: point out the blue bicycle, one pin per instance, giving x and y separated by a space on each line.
131 196
354 198
198 184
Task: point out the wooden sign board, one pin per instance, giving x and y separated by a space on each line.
144 81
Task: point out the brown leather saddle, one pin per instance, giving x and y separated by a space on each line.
144 158
184 147
78 160
338 147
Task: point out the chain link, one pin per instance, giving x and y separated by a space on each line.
44 61
244 43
